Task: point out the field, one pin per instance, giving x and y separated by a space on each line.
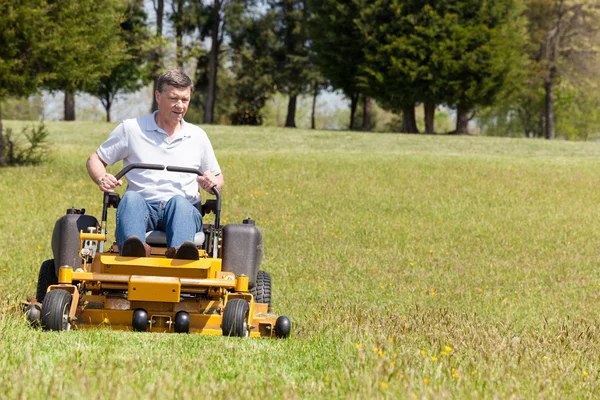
410 266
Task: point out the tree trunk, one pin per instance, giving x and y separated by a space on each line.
2 144
366 122
290 121
429 118
213 64
409 120
462 121
314 107
69 105
353 105
108 106
179 48
549 105
159 7
178 14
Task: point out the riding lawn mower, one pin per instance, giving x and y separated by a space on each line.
88 284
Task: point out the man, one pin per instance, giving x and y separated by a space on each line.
159 200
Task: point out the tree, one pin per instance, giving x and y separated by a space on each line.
213 20
487 47
252 43
22 46
291 54
81 52
565 35
383 25
216 36
436 52
157 48
338 44
181 19
133 72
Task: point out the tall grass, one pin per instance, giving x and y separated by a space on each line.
411 266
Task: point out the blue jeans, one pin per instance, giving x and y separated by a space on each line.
178 218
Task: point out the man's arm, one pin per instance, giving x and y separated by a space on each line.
97 170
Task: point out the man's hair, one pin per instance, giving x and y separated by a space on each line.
176 78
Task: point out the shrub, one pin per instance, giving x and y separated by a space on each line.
35 151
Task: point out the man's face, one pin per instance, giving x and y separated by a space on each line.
173 103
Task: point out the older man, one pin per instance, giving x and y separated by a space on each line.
159 200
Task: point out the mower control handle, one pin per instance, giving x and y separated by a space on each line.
191 171
128 168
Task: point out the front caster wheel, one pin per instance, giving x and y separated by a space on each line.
55 310
182 322
283 326
235 318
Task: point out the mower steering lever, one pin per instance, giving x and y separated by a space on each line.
128 168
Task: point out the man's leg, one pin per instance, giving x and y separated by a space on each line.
132 218
181 220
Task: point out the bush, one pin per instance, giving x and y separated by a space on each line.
35 151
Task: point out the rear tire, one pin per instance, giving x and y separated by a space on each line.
46 277
55 310
235 318
262 290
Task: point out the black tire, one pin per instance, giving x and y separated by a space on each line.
55 310
235 318
46 277
262 290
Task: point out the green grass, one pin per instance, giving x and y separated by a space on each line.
411 266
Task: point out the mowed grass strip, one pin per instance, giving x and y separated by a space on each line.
410 266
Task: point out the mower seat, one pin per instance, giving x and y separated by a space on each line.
159 238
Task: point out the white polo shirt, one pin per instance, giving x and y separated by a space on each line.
142 141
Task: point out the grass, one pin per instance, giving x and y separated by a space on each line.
411 266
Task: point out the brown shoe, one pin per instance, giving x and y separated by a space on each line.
134 247
187 251
171 251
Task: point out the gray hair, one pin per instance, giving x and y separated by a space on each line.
176 78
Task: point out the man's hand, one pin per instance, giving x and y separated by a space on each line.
97 169
108 183
207 181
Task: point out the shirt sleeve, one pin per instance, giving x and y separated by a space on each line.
115 148
209 160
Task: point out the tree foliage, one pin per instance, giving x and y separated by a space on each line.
338 45
82 44
252 65
442 52
133 71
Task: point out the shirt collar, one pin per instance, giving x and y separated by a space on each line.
152 126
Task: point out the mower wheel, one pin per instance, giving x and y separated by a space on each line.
235 318
139 320
55 310
283 326
182 322
262 290
46 277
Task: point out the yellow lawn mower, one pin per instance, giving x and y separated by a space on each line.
89 285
